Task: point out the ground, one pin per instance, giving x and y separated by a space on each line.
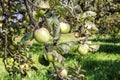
101 65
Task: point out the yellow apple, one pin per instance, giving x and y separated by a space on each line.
42 35
50 57
83 49
63 73
64 27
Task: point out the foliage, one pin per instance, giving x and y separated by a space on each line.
25 18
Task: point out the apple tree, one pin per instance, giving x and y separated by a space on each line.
46 21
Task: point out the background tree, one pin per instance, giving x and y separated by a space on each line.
46 21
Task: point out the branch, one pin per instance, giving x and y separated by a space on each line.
34 5
5 37
59 78
3 6
46 49
30 14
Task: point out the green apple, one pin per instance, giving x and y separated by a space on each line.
64 27
63 73
83 49
50 57
42 35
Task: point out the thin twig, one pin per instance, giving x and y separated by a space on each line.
5 37
34 5
57 72
29 12
3 7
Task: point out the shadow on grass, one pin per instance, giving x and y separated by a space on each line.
109 40
109 48
98 69
102 70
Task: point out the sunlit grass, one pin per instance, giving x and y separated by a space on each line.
3 73
102 65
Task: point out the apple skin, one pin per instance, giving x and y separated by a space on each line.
50 57
63 73
41 35
83 49
64 27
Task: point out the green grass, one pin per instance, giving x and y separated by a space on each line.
102 65
2 70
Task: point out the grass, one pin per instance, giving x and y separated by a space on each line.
102 65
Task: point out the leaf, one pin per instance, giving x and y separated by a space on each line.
71 43
94 48
91 27
89 14
18 6
63 48
48 14
27 37
53 24
58 57
55 3
69 9
50 24
56 28
62 11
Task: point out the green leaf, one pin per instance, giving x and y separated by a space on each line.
27 37
62 11
56 28
55 3
53 25
18 6
48 14
49 19
63 48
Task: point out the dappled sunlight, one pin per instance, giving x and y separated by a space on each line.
103 70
